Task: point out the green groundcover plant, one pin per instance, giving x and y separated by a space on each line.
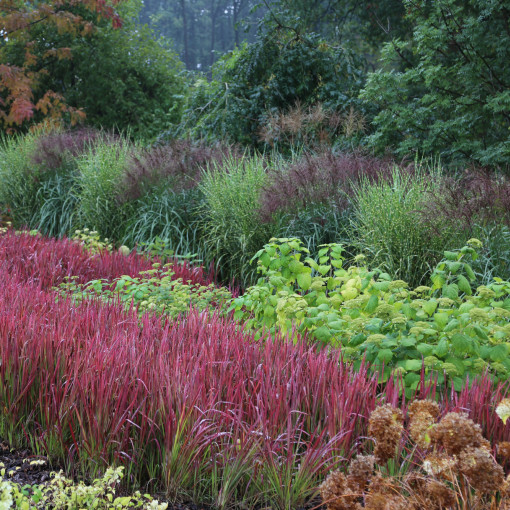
61 493
155 290
444 328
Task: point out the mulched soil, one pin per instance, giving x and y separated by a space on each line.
18 467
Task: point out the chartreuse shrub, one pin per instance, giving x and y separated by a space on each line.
63 494
156 290
445 328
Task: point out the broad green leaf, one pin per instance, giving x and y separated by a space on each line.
385 355
430 307
499 352
304 280
413 365
372 304
461 344
463 284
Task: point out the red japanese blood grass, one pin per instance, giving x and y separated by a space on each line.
195 405
102 386
48 261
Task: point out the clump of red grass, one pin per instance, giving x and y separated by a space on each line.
325 178
178 164
479 196
195 405
55 148
47 262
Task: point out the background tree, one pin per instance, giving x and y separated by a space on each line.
23 96
202 30
283 68
120 78
453 96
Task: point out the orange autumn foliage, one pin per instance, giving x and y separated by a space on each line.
18 84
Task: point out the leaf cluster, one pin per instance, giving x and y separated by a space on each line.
61 493
444 329
155 290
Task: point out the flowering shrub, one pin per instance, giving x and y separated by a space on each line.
444 328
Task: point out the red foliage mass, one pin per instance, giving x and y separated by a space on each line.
46 262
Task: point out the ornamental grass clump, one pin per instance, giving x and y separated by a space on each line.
38 177
325 178
176 166
450 465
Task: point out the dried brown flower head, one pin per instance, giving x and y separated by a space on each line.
440 465
423 406
455 432
384 502
386 427
384 495
336 493
361 470
439 495
504 450
482 471
421 423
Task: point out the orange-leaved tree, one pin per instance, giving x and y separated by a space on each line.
21 97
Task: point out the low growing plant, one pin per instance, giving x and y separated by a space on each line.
156 290
63 494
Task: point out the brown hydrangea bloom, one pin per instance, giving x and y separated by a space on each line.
423 406
440 465
383 494
455 432
377 501
482 471
504 450
361 470
336 493
385 426
420 427
505 489
439 495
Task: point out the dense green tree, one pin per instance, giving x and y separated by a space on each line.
366 24
453 96
24 99
282 68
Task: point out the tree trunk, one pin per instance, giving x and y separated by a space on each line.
185 33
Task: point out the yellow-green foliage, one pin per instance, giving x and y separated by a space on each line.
63 494
91 240
155 290
446 326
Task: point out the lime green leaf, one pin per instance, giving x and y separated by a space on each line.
385 355
304 280
372 304
461 344
430 307
413 365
